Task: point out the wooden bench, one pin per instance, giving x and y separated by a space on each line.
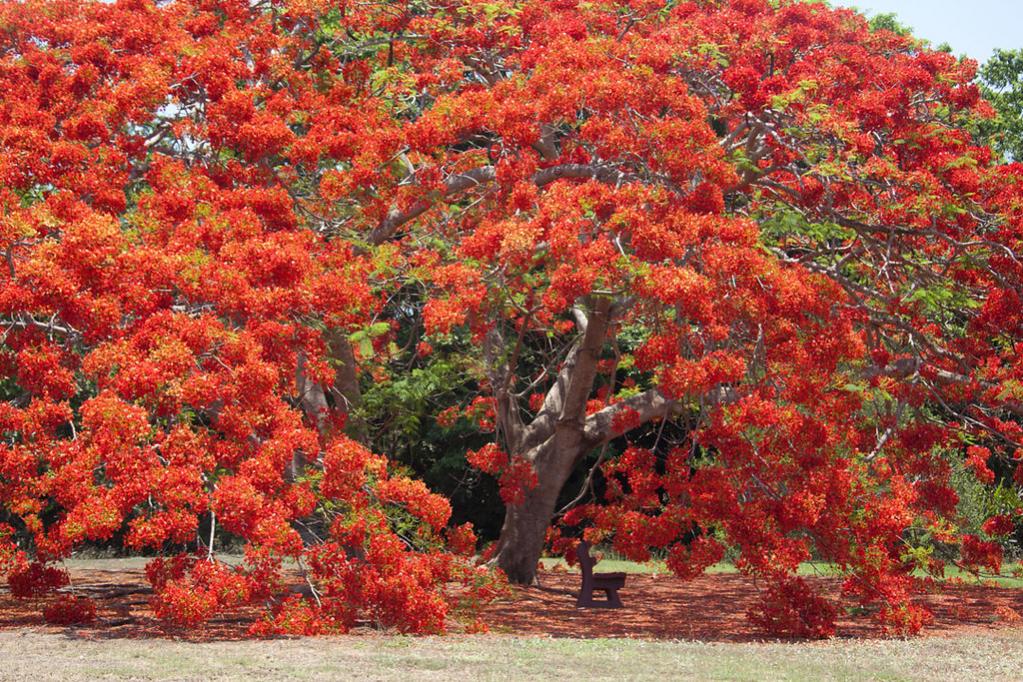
609 583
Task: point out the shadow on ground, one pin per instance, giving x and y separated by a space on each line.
711 608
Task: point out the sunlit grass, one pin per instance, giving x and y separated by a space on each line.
819 569
36 656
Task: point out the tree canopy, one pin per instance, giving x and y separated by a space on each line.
741 271
1002 84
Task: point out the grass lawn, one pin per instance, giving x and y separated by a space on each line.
813 568
34 656
816 568
968 654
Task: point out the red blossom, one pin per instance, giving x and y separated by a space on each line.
217 227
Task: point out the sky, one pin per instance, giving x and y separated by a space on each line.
972 27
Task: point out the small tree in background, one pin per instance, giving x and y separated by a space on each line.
1001 80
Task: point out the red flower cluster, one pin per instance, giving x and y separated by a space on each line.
214 215
190 591
979 553
35 580
516 480
70 610
793 609
489 459
977 460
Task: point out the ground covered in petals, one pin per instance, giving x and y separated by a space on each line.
711 608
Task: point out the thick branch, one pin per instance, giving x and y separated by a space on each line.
650 404
480 176
509 419
565 402
346 382
584 372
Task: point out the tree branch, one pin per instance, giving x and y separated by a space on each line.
486 174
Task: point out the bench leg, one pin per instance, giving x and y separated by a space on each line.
586 599
613 600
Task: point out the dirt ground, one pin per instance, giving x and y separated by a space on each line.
711 608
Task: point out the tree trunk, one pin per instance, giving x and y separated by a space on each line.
553 444
347 394
523 535
525 525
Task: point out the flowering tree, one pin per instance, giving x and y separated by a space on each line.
757 244
768 228
168 300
